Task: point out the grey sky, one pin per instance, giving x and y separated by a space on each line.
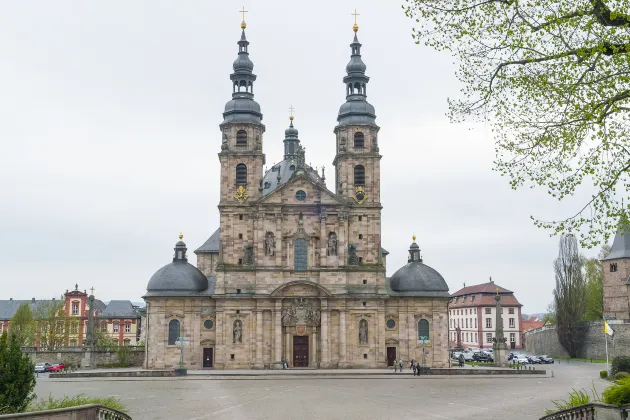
109 115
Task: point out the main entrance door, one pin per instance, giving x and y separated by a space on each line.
391 356
207 358
300 351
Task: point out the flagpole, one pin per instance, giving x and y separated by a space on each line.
606 338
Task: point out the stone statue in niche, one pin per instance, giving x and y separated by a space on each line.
237 332
224 142
352 255
258 143
363 332
270 244
249 254
332 244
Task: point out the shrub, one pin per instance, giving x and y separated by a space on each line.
620 364
123 356
576 398
17 377
621 375
603 374
618 393
81 399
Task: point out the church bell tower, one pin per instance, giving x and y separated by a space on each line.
357 161
242 159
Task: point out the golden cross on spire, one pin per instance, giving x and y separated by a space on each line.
291 112
242 12
355 27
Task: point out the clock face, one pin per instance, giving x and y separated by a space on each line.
360 195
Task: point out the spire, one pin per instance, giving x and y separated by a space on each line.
291 141
356 110
621 243
242 108
180 250
414 252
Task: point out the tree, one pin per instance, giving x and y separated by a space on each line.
594 277
54 324
569 295
552 77
17 377
550 316
23 325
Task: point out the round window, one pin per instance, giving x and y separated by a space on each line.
208 324
300 195
391 323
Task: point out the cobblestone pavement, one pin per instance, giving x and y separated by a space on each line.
347 398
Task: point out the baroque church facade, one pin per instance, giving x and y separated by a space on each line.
296 271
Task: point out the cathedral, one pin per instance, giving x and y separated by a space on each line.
295 273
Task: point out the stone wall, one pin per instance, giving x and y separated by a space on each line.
545 341
74 357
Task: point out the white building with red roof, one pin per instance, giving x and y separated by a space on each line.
472 316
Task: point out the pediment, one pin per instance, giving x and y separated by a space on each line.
316 194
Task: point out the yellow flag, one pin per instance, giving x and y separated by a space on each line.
607 329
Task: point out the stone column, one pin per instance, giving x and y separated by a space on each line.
259 340
314 362
278 331
287 348
342 339
412 336
402 333
381 350
323 241
279 248
342 243
325 362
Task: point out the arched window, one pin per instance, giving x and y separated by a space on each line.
423 329
300 251
241 174
359 175
241 138
359 140
173 332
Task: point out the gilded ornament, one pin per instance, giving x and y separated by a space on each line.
360 195
241 195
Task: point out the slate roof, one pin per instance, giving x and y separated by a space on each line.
418 277
489 287
270 180
98 305
620 247
212 281
211 245
423 293
8 308
119 309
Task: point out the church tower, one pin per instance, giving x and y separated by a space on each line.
357 162
242 159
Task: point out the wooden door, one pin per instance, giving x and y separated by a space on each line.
300 351
207 358
391 356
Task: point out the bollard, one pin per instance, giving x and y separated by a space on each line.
552 374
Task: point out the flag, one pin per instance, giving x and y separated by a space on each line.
607 329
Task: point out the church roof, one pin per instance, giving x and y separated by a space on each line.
211 245
620 247
285 170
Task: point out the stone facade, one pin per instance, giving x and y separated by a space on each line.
617 288
295 271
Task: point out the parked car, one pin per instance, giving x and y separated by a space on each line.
546 359
468 356
520 359
42 367
535 360
57 367
482 356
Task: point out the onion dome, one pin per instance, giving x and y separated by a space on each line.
242 108
415 276
356 109
178 277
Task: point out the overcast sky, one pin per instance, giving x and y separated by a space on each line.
109 123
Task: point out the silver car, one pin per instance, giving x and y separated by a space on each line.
42 367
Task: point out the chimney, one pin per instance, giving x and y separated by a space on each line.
33 300
10 298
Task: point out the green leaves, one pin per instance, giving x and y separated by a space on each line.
552 79
17 377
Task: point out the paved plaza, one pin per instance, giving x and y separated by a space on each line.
306 398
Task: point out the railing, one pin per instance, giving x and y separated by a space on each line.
592 411
89 411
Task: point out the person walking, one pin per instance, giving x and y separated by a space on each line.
461 360
411 365
395 364
400 364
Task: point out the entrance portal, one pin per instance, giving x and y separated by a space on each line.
300 351
207 358
391 356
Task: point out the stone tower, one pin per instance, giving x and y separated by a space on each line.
357 161
616 267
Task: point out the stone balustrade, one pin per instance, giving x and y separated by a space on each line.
85 412
593 411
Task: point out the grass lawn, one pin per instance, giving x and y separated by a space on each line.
580 359
480 363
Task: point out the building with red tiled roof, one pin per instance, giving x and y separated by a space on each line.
531 324
472 316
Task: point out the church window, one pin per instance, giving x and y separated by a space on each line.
359 175
364 303
208 324
238 291
613 267
241 174
359 140
238 311
391 324
300 255
360 218
240 236
300 195
173 332
364 281
240 217
365 355
241 138
240 261
360 236
360 260
423 329
232 356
